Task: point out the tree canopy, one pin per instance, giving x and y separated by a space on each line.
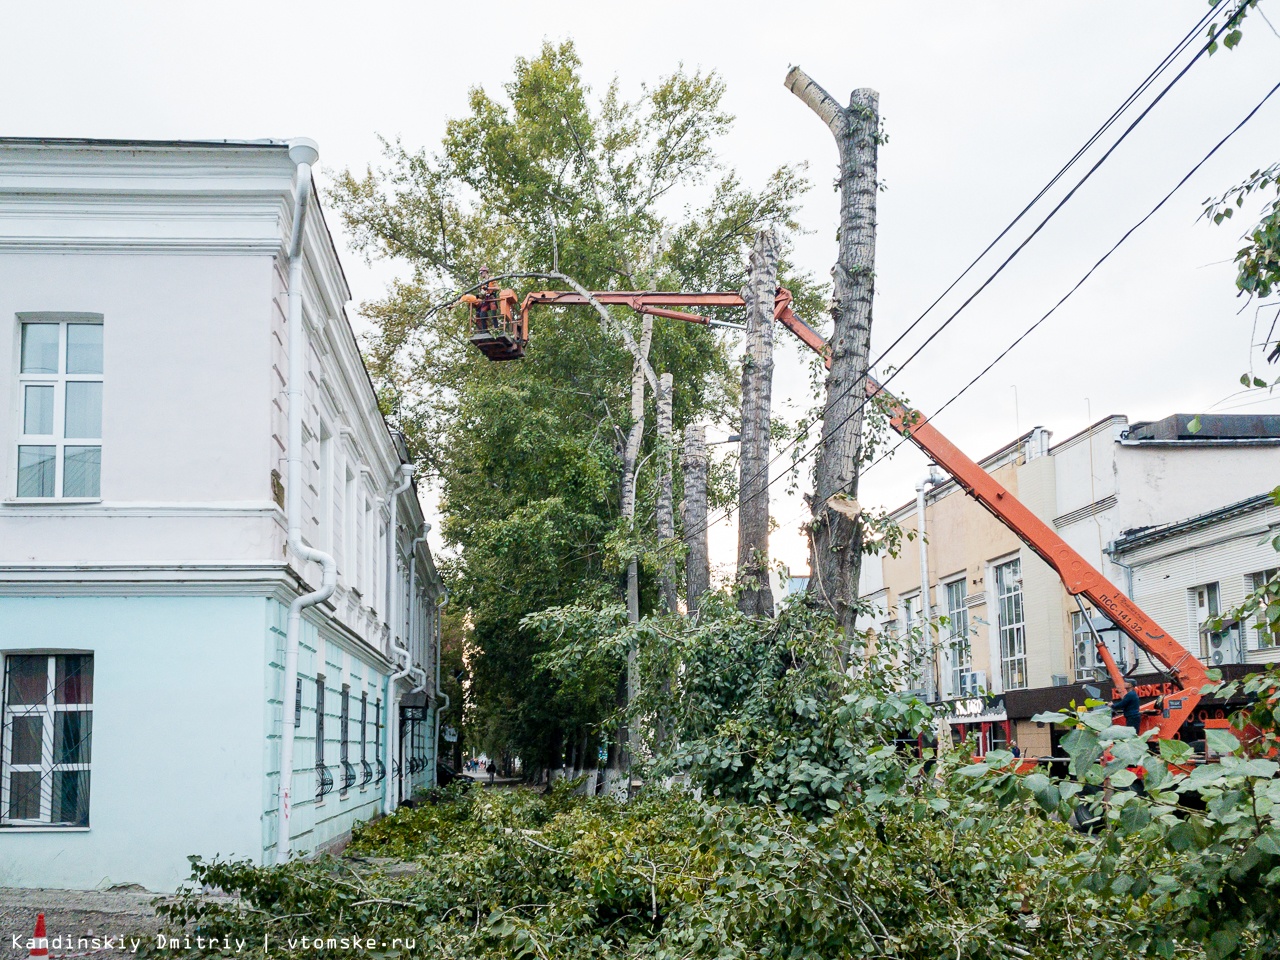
618 193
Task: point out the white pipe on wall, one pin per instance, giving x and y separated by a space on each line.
393 728
440 708
302 152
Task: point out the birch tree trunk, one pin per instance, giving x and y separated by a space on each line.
665 514
618 780
693 514
836 539
630 460
756 598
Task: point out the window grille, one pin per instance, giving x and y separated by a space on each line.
344 754
377 741
46 739
366 771
324 780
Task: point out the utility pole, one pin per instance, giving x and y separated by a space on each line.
693 513
756 598
836 538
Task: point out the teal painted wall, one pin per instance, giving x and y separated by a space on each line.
186 736
176 757
317 822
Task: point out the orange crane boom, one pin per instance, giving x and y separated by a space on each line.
1079 577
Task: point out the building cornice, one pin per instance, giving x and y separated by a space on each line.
1142 538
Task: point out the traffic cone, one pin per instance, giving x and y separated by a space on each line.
41 949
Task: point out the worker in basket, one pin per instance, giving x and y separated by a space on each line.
487 315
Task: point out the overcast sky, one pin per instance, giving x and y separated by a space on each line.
983 102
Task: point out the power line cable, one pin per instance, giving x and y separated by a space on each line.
1128 102
1097 134
1079 283
915 353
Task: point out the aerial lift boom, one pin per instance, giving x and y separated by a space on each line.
505 335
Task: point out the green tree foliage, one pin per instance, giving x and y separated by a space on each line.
749 712
1258 261
619 193
805 822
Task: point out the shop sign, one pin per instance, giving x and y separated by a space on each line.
973 709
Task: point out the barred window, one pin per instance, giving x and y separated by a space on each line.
46 738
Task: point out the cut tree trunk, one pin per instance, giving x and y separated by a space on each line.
665 514
693 514
836 539
756 596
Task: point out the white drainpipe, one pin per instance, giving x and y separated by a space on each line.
413 594
400 653
393 727
302 152
440 708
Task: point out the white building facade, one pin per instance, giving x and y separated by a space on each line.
146 567
1189 573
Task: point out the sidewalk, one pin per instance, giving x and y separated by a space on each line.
483 780
74 914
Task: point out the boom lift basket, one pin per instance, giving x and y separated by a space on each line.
496 328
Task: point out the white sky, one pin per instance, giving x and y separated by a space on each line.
983 102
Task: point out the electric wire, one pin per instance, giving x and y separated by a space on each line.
1097 135
1107 124
915 353
1079 283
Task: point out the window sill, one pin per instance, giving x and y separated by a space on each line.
49 501
41 828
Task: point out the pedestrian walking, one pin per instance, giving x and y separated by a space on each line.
493 770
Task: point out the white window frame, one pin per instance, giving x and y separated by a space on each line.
912 607
367 541
49 708
1261 639
959 649
1012 633
1200 613
324 515
58 381
350 561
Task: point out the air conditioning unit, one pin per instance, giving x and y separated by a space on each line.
1221 647
973 683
